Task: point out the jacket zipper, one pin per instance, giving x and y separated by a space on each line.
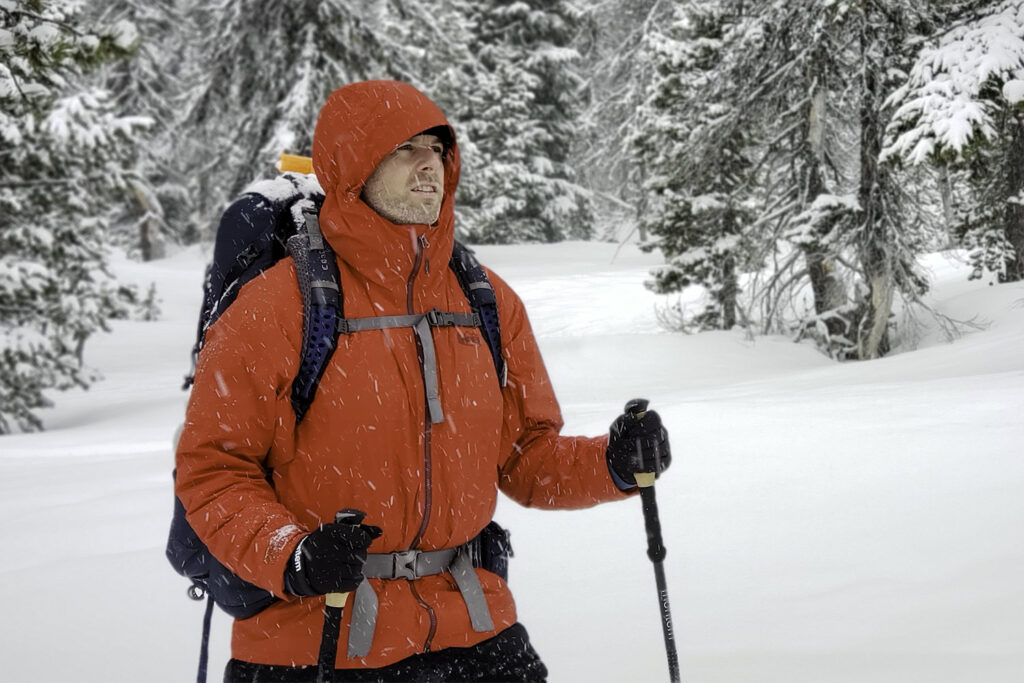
421 244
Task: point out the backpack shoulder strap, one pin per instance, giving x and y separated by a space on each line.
251 237
323 316
320 285
482 299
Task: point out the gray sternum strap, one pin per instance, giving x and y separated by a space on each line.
412 564
420 324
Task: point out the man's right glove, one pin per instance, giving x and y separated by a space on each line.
637 442
330 559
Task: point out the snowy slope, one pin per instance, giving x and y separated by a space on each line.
825 522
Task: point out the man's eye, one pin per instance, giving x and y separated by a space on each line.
438 149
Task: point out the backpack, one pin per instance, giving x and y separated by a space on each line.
271 220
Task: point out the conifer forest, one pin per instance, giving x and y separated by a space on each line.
791 160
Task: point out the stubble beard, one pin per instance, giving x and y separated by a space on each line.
402 211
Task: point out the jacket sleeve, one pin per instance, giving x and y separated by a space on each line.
540 467
239 407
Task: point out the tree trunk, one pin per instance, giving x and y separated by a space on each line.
873 335
828 289
946 194
1013 225
729 294
875 244
151 244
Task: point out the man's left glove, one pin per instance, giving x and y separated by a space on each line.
330 558
637 443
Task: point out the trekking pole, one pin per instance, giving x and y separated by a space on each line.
334 610
655 546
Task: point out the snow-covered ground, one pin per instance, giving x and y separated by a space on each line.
825 522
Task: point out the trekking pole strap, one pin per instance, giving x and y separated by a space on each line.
411 565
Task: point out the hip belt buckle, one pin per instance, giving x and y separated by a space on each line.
404 564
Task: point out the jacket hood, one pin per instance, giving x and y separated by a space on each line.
363 122
358 126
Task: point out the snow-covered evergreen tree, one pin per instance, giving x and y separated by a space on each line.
962 106
264 71
64 150
429 45
886 239
149 83
698 168
618 75
522 119
811 77
790 76
765 120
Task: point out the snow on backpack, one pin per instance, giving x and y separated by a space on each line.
274 219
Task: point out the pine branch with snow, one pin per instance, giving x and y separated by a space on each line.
64 148
957 86
521 121
962 106
698 168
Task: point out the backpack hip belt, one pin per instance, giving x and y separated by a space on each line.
411 565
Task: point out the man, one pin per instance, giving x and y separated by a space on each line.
417 442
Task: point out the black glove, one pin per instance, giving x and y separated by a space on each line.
637 443
330 559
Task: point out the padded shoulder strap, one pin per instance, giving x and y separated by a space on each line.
323 317
319 283
482 299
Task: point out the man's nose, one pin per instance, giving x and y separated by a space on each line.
427 158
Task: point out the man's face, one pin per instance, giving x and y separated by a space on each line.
408 185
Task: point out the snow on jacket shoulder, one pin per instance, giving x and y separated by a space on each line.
252 482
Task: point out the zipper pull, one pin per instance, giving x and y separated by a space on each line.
426 261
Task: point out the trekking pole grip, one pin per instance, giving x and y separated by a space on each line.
636 409
351 517
655 546
337 599
334 610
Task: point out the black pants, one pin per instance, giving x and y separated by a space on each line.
506 658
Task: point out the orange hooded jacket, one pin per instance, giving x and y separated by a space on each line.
367 441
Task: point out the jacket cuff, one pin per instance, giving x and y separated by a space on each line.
280 562
623 485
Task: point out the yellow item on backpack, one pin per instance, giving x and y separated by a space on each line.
295 163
